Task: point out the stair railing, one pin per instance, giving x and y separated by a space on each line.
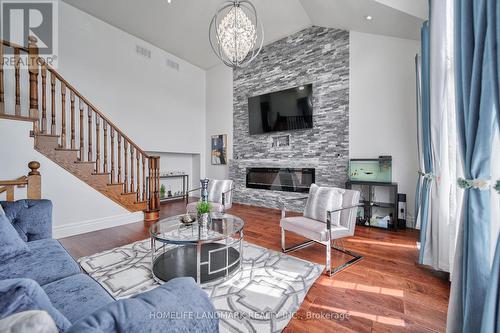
33 181
80 125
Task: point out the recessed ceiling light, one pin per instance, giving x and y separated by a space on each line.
369 17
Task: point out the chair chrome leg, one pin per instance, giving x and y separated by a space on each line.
299 246
356 257
328 259
295 247
283 246
329 246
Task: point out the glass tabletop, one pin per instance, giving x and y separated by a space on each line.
172 230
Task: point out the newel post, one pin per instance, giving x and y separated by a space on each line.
34 181
33 75
152 214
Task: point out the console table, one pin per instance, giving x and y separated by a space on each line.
368 203
185 186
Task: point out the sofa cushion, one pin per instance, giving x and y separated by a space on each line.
33 321
312 229
31 218
46 261
24 294
77 296
322 199
11 245
176 306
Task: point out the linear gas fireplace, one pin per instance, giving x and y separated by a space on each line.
281 179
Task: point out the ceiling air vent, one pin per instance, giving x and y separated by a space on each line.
142 51
172 64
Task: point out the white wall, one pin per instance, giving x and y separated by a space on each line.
159 108
383 105
187 163
219 119
77 207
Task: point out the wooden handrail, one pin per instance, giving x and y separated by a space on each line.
32 180
8 186
10 192
93 107
14 45
21 181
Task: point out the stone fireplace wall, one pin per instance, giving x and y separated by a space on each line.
314 55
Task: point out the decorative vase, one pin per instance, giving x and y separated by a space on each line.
204 189
204 219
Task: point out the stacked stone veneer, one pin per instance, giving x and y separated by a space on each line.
314 55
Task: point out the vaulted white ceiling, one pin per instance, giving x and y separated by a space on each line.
181 27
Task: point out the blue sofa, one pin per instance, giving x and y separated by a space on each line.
45 277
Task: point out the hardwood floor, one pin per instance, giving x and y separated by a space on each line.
385 292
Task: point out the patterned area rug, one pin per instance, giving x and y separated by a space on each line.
261 297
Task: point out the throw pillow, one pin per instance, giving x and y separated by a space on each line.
11 245
20 295
28 321
322 199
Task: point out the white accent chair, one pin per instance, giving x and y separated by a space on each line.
329 215
219 196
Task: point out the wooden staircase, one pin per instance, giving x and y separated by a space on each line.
73 133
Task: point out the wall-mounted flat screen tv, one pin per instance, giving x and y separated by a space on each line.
285 110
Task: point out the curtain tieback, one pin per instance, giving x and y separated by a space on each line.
428 175
477 184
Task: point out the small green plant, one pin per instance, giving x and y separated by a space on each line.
163 190
203 207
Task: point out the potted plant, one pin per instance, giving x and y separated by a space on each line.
163 190
203 209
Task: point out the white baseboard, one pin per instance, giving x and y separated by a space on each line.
82 227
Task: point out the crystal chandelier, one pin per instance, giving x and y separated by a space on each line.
233 33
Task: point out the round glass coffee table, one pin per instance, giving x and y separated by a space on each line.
206 253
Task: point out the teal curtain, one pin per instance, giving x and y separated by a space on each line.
477 105
418 92
493 26
424 191
491 315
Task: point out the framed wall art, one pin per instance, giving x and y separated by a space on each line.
219 149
